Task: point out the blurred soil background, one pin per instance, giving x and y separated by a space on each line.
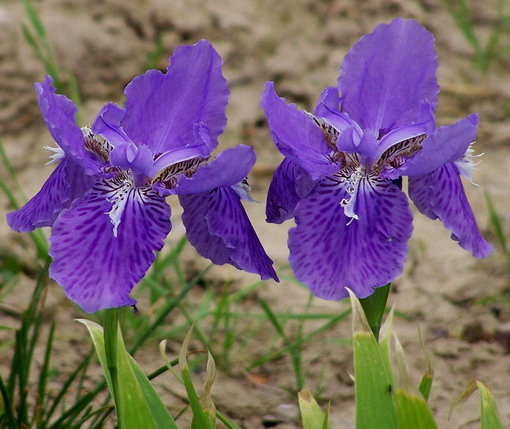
456 307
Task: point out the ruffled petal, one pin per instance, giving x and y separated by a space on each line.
230 167
290 184
330 251
296 135
161 109
440 194
445 145
387 74
96 268
218 227
67 182
59 114
108 124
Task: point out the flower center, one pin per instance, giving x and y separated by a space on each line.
170 175
96 144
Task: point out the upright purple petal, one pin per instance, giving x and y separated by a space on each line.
446 144
387 74
230 167
67 182
296 135
290 184
108 124
96 268
329 101
161 109
218 227
59 114
330 251
440 194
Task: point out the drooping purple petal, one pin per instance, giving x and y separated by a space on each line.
230 167
440 194
108 124
218 227
161 109
67 182
330 251
96 268
290 184
387 74
446 144
59 114
296 135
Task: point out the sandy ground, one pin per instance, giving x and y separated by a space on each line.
455 302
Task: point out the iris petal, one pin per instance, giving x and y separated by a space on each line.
218 227
230 167
446 144
290 184
96 268
161 109
59 114
296 135
67 182
329 252
387 75
440 194
108 124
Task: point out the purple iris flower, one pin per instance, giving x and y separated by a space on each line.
341 178
105 201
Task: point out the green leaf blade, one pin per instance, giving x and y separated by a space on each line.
490 415
412 411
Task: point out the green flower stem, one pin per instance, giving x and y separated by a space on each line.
111 318
374 306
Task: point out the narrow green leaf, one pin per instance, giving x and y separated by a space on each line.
374 307
162 417
426 385
374 402
272 318
133 410
325 423
303 340
490 415
311 414
65 387
34 19
410 405
412 411
6 406
43 378
385 336
96 333
200 419
138 403
226 421
496 223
